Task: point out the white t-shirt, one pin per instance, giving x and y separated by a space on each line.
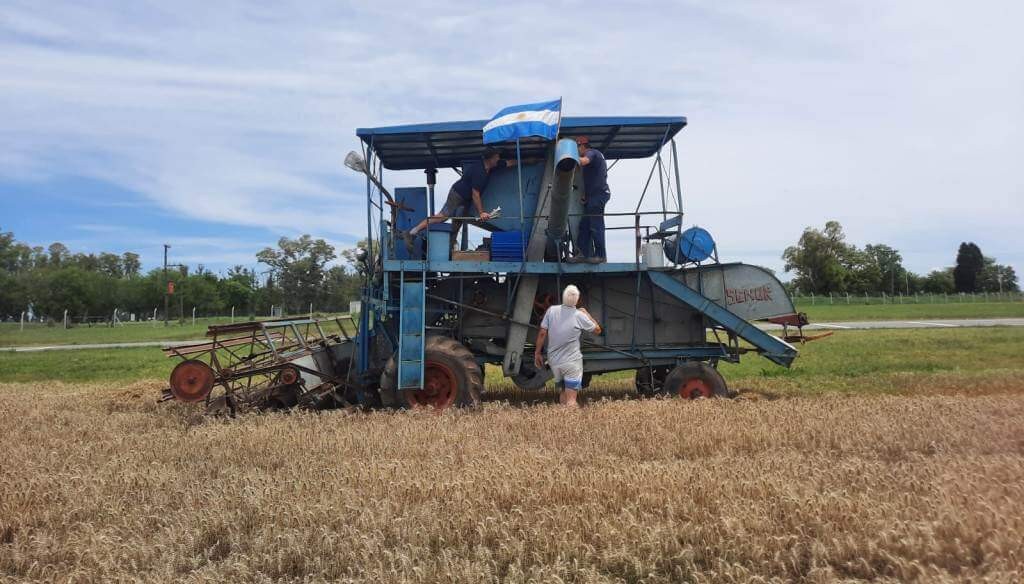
564 325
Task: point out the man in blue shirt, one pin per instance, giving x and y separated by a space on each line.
596 195
465 192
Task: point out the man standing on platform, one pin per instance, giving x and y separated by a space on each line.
595 197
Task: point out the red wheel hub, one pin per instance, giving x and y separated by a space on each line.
191 381
440 387
694 388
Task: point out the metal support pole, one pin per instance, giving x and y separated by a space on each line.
522 210
167 292
679 187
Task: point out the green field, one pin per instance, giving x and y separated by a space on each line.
854 361
36 334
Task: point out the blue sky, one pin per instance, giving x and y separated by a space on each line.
220 126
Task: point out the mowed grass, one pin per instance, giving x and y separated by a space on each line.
101 484
849 361
822 311
35 334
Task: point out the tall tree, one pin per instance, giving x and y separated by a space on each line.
820 259
892 275
298 265
969 263
131 264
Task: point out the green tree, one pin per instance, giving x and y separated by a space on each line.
889 262
131 263
820 260
298 265
969 263
994 277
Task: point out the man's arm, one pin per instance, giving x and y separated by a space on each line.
597 327
484 215
538 355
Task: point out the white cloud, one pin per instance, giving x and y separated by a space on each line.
903 120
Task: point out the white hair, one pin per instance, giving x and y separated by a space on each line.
571 295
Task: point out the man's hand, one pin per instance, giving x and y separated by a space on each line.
538 360
484 216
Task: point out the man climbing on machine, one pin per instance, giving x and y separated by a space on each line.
465 192
561 328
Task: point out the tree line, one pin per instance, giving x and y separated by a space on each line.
47 281
823 262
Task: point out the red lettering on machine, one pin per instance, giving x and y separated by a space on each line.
749 295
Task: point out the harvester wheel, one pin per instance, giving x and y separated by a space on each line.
693 380
649 381
191 381
451 376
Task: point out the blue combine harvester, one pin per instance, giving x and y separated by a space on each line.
434 316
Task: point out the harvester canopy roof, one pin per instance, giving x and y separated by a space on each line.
449 144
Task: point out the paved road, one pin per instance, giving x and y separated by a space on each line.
35 349
861 325
907 324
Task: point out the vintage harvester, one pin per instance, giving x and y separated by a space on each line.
432 318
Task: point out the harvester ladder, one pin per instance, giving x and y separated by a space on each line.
411 335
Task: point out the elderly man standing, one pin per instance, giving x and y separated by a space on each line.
596 196
561 328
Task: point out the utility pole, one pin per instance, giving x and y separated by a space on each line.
167 291
167 284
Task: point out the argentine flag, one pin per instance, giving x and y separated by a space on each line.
520 121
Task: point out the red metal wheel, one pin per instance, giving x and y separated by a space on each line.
440 387
694 388
191 381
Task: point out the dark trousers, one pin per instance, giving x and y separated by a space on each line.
591 239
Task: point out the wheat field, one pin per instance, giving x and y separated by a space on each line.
99 483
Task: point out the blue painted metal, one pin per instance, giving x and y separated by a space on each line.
513 267
447 144
567 155
693 245
773 348
439 241
503 191
411 336
415 198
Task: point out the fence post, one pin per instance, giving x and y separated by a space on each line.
883 297
866 298
830 298
232 315
154 316
271 311
65 319
901 297
812 298
193 316
847 297
22 320
310 311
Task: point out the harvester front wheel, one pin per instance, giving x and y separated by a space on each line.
694 380
451 377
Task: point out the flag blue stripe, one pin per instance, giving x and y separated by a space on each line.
520 130
555 105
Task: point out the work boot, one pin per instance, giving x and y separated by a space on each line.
596 260
575 260
410 244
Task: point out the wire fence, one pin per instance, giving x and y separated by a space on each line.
193 317
920 298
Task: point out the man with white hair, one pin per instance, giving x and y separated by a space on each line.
561 328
